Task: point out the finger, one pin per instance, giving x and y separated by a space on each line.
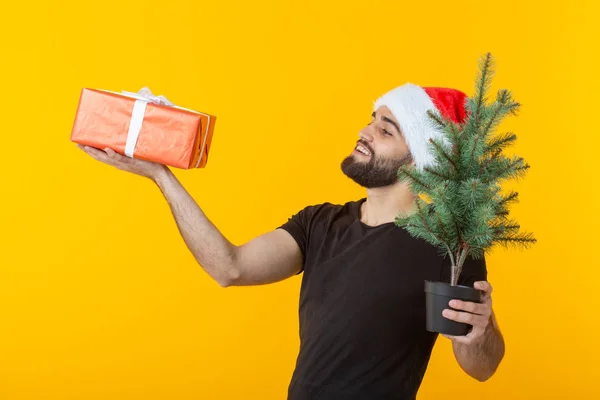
86 148
119 158
113 154
467 318
105 156
483 285
475 308
96 153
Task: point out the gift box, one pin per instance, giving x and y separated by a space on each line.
143 126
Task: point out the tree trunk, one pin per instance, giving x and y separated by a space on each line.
455 275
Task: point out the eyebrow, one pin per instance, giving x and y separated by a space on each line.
386 119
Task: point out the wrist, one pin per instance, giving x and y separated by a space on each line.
162 176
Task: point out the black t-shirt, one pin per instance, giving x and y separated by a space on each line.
362 305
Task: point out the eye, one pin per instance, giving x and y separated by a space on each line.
386 132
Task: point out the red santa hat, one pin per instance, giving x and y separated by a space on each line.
409 104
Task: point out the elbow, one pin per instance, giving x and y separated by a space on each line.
223 283
493 363
482 377
226 283
231 275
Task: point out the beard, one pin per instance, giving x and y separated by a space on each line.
375 173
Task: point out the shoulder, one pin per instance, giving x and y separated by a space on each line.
325 212
326 209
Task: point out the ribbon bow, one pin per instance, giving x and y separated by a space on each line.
145 94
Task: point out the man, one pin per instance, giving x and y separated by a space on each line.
362 301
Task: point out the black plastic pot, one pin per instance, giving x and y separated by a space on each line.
437 297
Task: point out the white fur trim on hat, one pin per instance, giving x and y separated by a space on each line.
409 104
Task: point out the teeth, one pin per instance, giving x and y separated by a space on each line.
362 150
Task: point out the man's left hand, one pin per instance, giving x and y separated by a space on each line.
476 314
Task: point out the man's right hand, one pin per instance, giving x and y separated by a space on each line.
140 167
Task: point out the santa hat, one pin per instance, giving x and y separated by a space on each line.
409 104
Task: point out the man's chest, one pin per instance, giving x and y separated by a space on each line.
369 277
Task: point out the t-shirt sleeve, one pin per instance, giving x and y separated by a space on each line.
298 226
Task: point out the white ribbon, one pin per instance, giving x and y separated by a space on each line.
135 126
143 97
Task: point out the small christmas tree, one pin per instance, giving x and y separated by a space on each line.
466 213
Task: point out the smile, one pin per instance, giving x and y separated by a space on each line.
362 149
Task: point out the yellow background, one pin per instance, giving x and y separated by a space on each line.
99 297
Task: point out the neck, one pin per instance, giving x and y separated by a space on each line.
383 204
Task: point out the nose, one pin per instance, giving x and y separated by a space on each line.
367 133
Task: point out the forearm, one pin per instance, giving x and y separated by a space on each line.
481 358
210 248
